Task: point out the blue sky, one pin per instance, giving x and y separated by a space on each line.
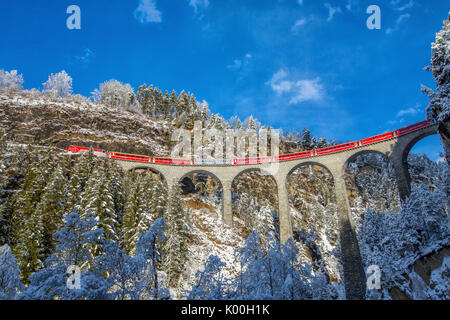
290 63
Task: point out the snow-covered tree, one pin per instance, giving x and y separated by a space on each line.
175 246
116 94
98 199
374 178
251 123
433 173
7 209
59 84
51 208
50 282
158 200
123 272
439 106
27 222
10 80
83 168
149 249
136 218
209 283
393 240
10 284
307 141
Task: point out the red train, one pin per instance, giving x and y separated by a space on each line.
278 158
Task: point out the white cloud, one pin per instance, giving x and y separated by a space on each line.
238 64
146 12
405 113
405 6
297 90
307 90
332 11
298 24
199 4
348 6
408 112
86 57
398 22
394 122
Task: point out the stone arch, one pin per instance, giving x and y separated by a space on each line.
264 214
205 172
311 192
355 192
304 164
153 170
308 163
260 170
220 196
410 144
400 158
360 153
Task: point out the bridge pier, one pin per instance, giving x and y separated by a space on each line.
284 210
227 203
354 275
401 175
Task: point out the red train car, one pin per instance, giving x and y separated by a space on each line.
413 127
76 149
129 157
186 162
338 148
380 137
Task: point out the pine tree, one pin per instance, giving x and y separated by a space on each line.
7 225
115 182
439 106
159 199
165 106
74 241
51 208
82 171
307 142
135 221
150 249
3 141
175 245
28 222
209 283
173 103
29 247
182 104
98 200
10 284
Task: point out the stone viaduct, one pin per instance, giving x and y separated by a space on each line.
395 149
